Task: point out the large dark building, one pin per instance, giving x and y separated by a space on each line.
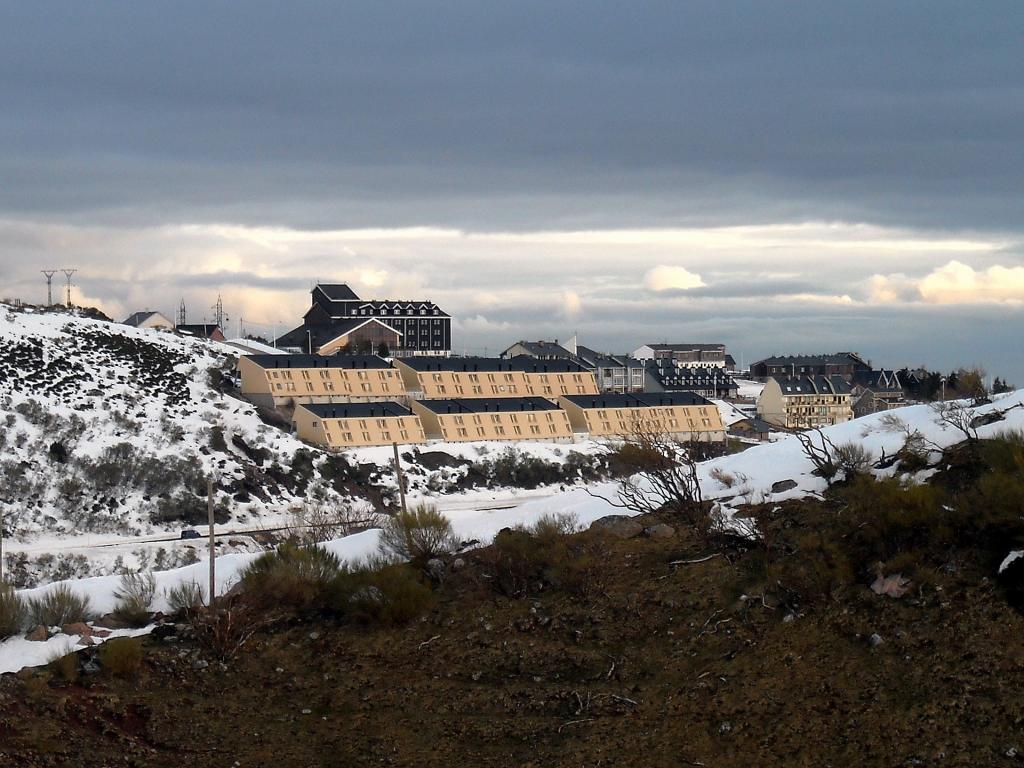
845 364
336 310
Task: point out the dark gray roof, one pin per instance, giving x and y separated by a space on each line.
832 358
318 361
337 291
355 410
522 363
206 330
812 385
879 381
670 373
138 317
543 349
594 359
649 400
754 424
489 405
322 334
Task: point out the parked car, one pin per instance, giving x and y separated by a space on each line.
191 533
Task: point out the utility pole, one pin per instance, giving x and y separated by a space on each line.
49 285
181 313
400 477
68 273
213 561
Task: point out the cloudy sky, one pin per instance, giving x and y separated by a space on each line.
783 177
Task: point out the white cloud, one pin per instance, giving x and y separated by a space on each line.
958 283
572 305
664 278
952 283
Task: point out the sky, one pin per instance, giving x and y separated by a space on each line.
782 177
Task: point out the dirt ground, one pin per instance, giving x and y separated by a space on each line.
672 665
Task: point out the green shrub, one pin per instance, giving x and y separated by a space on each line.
819 567
991 514
121 656
134 597
418 534
884 518
185 598
58 606
384 593
13 611
293 577
64 665
523 561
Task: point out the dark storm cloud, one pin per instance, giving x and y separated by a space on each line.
519 115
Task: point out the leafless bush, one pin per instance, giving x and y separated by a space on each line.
187 597
720 475
553 524
662 474
853 459
319 521
226 630
821 452
957 415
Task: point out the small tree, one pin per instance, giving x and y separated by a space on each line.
661 473
972 385
382 349
956 414
821 452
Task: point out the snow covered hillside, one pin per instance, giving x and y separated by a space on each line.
110 431
108 428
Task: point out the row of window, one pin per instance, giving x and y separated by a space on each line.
496 418
395 311
328 373
328 386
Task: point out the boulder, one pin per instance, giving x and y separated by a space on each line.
39 634
77 628
659 531
110 621
617 525
783 485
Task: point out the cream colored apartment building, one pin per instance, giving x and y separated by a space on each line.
337 426
492 377
682 415
805 402
506 418
276 380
